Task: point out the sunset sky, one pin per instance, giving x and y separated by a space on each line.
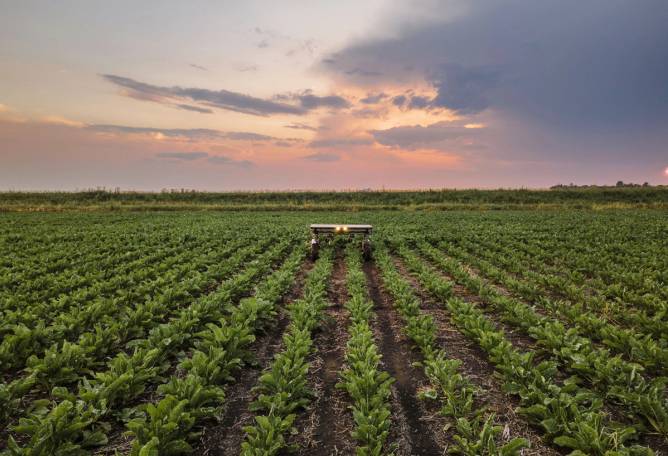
231 95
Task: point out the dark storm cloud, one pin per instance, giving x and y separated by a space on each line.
567 63
185 156
322 158
294 103
414 136
417 102
463 89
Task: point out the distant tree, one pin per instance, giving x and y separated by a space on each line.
619 184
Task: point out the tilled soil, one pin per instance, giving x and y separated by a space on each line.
416 428
325 428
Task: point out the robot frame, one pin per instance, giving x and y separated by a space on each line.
321 231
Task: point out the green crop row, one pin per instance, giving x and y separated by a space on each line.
568 284
475 432
631 342
616 379
77 420
196 392
66 363
283 388
22 342
569 415
366 384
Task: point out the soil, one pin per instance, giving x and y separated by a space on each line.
416 428
326 426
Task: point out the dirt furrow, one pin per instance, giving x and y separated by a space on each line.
328 423
416 427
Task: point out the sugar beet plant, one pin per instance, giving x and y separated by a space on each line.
614 378
570 415
196 393
283 389
65 363
81 420
130 327
475 432
367 385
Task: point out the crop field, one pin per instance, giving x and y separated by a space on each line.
535 332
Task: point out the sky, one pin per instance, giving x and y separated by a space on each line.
259 95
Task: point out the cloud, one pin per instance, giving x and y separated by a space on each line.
462 89
566 64
247 136
299 103
321 157
308 101
199 67
301 126
223 160
417 102
247 68
399 101
185 156
213 159
221 99
373 98
416 136
363 72
189 133
340 142
369 113
194 109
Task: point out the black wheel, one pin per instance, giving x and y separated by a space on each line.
315 248
366 250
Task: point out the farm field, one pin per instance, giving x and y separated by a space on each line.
534 332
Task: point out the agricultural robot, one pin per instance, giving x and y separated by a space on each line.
321 232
